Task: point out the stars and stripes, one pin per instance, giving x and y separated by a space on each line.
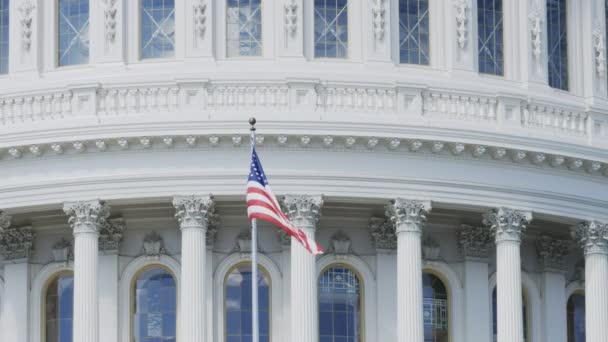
263 205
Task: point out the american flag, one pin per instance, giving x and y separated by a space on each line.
263 205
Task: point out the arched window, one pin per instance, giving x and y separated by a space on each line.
557 34
4 36
73 32
435 309
340 305
244 28
331 28
58 309
489 28
576 318
237 303
157 28
154 314
495 315
414 32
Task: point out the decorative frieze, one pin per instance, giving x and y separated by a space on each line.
16 243
291 17
153 246
110 235
194 211
109 14
383 234
408 215
378 18
474 242
26 12
461 10
592 236
62 251
303 210
87 216
552 252
507 224
340 244
599 49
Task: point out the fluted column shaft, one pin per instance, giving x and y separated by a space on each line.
409 218
507 226
86 219
193 214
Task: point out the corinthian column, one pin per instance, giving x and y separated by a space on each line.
507 225
409 218
86 219
593 237
304 211
194 214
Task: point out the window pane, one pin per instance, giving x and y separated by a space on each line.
557 34
155 306
59 308
237 292
339 306
414 31
434 309
576 318
157 28
4 36
244 28
73 32
489 21
331 28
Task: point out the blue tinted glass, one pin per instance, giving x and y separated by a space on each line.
557 34
155 306
435 309
576 318
244 28
238 305
73 32
59 308
489 23
414 31
331 28
157 28
495 316
4 36
339 306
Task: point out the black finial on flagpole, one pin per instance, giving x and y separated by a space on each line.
252 122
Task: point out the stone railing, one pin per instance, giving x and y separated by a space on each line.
458 106
137 99
345 98
560 120
228 97
28 108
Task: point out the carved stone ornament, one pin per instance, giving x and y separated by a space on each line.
536 30
378 15
153 245
243 241
26 10
200 17
430 248
408 215
17 243
303 210
212 229
552 252
461 7
110 235
109 14
593 237
284 239
340 244
62 250
5 221
383 233
194 211
291 17
507 224
474 242
599 50
87 216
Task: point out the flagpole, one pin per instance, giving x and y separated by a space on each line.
254 258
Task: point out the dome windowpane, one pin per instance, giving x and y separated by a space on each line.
331 28
73 42
435 309
414 32
59 309
557 35
157 29
490 32
340 314
244 28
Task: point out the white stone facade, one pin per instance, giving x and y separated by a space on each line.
120 164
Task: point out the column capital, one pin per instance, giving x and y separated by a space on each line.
5 221
507 224
474 242
303 210
194 211
592 236
110 235
86 216
16 243
408 215
383 233
552 252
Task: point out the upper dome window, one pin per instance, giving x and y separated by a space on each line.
3 36
244 28
490 30
414 32
73 32
331 28
157 29
557 34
